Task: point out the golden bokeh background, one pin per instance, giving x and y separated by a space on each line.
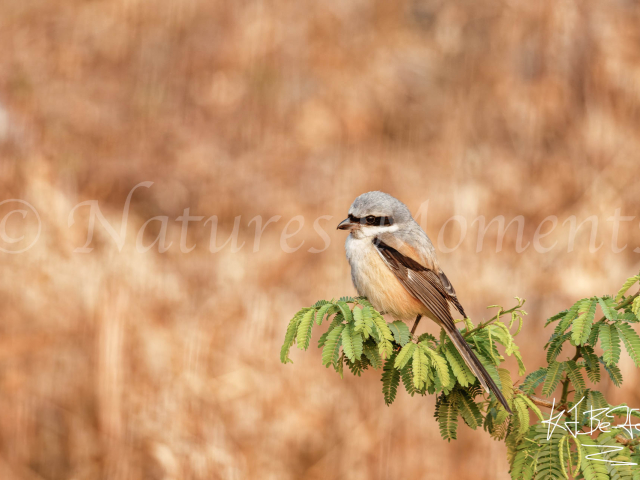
118 364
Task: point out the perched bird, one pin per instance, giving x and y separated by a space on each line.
394 264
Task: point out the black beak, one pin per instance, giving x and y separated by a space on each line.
346 224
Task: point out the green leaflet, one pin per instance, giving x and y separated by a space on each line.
574 374
462 373
533 380
557 316
390 380
289 338
338 365
532 406
304 330
358 318
358 366
507 385
590 467
407 378
610 343
405 354
522 415
613 371
369 324
440 365
327 309
330 352
468 410
372 354
592 364
420 367
447 416
337 320
555 345
608 308
345 310
548 461
351 343
627 285
615 468
400 332
525 458
554 372
631 341
581 327
635 308
628 317
429 338
595 332
385 347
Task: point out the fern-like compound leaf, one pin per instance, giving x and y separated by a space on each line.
345 310
462 373
447 415
469 410
595 333
390 380
610 343
351 343
581 327
554 373
613 371
627 285
331 350
554 347
592 364
337 320
548 461
533 380
635 306
575 375
372 354
400 332
596 401
289 338
522 415
304 330
440 365
358 318
407 378
420 366
591 468
556 317
631 341
327 310
608 308
405 354
385 345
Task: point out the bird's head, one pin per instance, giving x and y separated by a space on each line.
373 213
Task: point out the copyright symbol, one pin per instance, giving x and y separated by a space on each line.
20 226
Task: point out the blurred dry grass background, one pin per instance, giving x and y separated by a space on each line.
123 365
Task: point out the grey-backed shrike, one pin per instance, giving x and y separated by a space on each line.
393 264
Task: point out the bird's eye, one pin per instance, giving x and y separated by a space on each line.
371 219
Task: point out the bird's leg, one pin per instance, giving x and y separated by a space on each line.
415 324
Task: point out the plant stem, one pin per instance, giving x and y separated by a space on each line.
491 320
566 381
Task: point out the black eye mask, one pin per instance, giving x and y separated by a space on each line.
372 220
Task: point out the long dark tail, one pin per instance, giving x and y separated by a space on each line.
474 364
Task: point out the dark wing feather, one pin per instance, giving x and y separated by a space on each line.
436 292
